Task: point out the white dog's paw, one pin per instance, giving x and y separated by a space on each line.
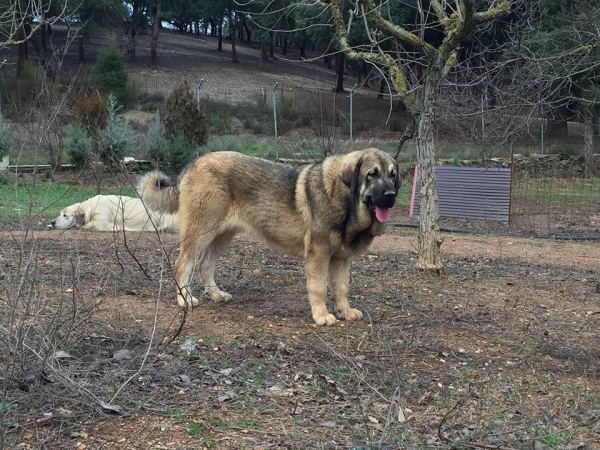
187 300
325 319
217 295
351 314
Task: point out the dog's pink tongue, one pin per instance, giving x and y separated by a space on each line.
382 214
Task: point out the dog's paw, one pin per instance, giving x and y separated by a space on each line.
187 301
325 319
351 314
218 295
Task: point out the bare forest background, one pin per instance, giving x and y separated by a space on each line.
500 352
517 92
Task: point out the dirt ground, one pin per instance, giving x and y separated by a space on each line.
500 352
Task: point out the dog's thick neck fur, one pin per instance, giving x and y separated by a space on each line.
353 221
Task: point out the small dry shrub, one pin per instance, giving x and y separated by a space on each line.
91 112
184 115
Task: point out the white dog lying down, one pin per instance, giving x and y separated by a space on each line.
114 213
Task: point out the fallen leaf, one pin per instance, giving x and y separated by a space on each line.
188 346
112 408
122 354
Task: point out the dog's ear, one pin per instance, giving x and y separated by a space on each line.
79 219
350 174
398 179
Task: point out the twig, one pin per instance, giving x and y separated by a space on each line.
445 438
152 335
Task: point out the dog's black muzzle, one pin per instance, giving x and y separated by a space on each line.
384 197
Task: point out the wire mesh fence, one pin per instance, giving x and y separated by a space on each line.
556 203
549 195
287 112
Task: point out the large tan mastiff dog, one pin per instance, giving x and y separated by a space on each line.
326 213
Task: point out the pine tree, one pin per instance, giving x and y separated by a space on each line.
183 114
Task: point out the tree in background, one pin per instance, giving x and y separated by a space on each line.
20 20
155 18
117 139
93 15
157 146
450 22
6 139
183 114
562 62
109 72
91 113
78 145
136 22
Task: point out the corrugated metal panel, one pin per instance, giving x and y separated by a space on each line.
473 193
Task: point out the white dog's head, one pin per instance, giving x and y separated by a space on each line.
69 217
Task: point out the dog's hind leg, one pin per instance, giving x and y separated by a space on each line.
184 268
339 276
207 266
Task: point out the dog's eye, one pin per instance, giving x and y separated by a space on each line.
374 173
393 174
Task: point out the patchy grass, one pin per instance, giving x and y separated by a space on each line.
559 190
23 198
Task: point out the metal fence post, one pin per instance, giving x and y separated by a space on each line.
351 116
542 127
275 107
198 90
1 64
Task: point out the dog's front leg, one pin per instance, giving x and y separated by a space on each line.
339 275
317 263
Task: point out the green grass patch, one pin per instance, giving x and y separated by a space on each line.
194 429
178 414
557 190
338 373
45 199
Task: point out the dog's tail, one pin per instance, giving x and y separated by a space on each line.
158 192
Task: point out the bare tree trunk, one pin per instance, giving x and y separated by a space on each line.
23 56
430 241
131 49
588 142
154 36
43 34
271 44
339 73
80 50
248 32
284 46
220 45
232 34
